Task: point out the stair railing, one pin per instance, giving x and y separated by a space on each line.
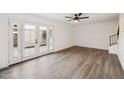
113 39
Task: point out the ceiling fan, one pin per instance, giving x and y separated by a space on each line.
77 17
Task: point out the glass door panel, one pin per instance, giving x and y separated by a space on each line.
43 40
29 40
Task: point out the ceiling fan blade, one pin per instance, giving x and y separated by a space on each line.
83 17
68 17
69 20
79 14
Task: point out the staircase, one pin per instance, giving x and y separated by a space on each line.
113 39
113 44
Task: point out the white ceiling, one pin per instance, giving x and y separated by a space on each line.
94 17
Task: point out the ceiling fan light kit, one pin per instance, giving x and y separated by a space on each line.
76 21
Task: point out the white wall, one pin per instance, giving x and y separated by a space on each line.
63 33
121 40
95 35
3 43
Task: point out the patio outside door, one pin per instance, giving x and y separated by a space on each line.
28 40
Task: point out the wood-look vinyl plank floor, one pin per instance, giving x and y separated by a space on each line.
71 63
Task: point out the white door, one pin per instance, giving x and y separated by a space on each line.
29 41
14 41
45 40
36 40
